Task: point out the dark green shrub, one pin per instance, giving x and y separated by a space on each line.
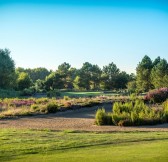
54 93
49 108
52 108
9 93
109 120
28 92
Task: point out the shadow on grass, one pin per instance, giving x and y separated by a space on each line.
126 142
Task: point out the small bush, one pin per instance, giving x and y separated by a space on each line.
41 100
49 108
103 118
28 92
157 95
100 117
34 107
66 98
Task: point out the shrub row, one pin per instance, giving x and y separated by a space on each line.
48 108
132 114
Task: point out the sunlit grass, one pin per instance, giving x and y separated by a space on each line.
46 145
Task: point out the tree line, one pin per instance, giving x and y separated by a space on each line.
149 75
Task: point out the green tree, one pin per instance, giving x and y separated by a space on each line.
66 75
156 61
78 83
109 76
39 85
90 76
122 80
95 77
54 81
131 86
7 69
143 71
23 81
36 73
85 75
159 74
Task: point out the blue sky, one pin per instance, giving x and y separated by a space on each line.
48 33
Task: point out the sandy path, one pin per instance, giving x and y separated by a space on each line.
81 119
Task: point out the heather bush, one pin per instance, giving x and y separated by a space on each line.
157 95
67 104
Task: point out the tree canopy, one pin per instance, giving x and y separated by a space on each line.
149 75
7 69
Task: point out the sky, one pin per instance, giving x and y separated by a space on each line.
46 33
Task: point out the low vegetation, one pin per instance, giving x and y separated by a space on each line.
17 107
133 113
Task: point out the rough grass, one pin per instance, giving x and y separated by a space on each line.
46 145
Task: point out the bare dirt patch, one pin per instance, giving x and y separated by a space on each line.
81 120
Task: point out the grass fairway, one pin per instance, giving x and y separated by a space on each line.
46 145
87 94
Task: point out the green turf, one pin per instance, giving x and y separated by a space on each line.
86 94
46 145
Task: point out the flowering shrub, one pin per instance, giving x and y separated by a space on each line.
157 95
19 103
14 106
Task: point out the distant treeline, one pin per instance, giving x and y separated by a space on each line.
149 75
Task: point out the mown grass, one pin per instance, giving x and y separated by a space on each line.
46 145
87 94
